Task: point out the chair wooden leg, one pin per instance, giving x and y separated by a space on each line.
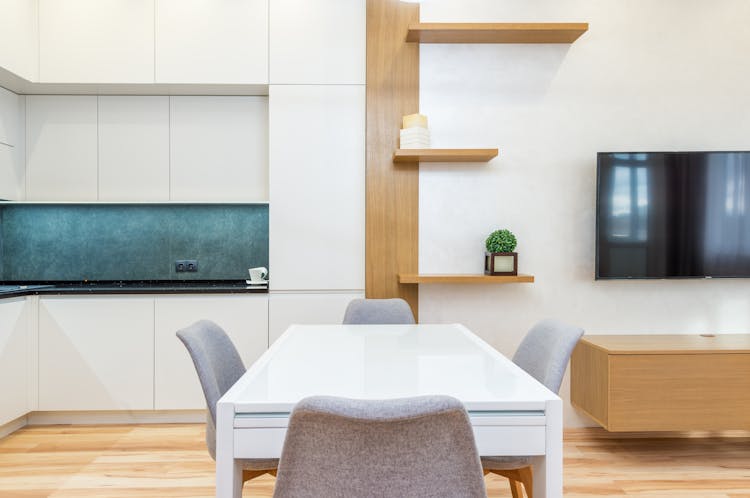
527 478
515 488
252 474
517 477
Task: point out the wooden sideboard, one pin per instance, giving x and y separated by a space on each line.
663 382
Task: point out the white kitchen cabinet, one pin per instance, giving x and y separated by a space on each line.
12 174
306 309
11 118
19 38
317 187
133 148
14 359
12 167
318 41
96 41
61 148
212 41
243 317
96 353
219 149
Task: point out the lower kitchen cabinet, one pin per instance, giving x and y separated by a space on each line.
14 359
306 309
96 353
243 317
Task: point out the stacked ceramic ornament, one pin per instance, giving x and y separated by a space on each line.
415 134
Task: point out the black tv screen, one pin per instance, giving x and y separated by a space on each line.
673 215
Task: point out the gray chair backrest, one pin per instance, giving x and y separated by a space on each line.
218 365
415 447
378 311
545 351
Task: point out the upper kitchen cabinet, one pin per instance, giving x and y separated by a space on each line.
133 149
212 41
219 149
318 41
11 118
12 174
12 169
96 41
19 38
317 187
61 148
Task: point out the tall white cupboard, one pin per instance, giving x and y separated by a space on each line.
317 187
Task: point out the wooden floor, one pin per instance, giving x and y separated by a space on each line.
171 461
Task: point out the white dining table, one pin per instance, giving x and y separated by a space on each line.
511 413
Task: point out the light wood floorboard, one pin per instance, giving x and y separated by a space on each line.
168 461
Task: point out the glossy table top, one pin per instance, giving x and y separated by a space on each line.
385 361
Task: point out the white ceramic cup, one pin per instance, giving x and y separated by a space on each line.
258 274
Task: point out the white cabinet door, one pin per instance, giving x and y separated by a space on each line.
219 149
14 341
305 309
133 149
96 353
61 148
12 173
12 167
96 41
317 187
318 41
212 41
11 118
244 318
19 38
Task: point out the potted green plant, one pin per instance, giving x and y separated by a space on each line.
500 258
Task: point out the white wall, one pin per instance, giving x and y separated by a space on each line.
667 75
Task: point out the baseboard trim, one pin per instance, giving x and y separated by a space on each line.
117 417
13 426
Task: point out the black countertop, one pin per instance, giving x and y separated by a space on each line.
155 287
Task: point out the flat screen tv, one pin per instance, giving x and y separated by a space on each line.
673 215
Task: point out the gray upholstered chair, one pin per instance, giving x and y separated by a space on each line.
219 366
378 311
544 354
415 447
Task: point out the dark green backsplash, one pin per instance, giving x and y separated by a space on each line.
76 242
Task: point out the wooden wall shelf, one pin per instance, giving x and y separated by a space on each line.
444 155
496 32
412 278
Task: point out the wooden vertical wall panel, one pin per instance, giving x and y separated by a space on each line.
392 227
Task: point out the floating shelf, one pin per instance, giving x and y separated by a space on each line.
496 32
444 155
413 278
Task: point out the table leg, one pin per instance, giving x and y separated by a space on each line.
548 470
228 470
